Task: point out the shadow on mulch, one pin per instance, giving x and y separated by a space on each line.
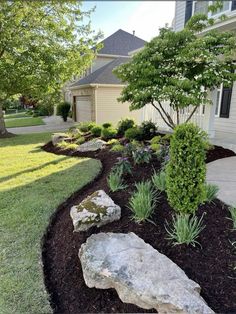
210 265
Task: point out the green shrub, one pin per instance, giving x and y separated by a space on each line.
67 145
143 201
211 191
142 155
156 147
165 140
115 181
108 133
96 131
186 169
185 229
123 165
156 139
80 140
148 129
62 144
63 110
113 141
117 148
232 211
72 146
124 125
107 125
86 126
159 181
134 133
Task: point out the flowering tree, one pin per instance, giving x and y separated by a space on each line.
179 68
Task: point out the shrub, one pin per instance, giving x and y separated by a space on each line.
107 125
86 126
113 141
142 202
130 147
165 140
159 181
123 165
108 133
142 155
62 144
211 191
67 145
186 169
148 129
156 139
124 125
232 211
80 140
115 181
72 146
63 110
96 130
117 148
134 133
185 229
156 147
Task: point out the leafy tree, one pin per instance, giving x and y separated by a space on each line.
179 68
42 45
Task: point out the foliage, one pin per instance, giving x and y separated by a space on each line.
148 129
163 155
165 140
174 66
134 133
130 147
159 180
80 140
113 141
211 191
63 110
117 148
143 201
108 133
96 131
142 155
185 229
186 169
156 147
115 181
86 126
124 125
123 165
44 109
156 139
232 211
106 125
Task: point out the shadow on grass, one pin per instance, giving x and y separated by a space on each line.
25 139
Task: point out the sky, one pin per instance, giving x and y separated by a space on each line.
143 17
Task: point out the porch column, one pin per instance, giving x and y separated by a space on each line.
209 115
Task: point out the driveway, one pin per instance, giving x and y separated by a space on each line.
52 124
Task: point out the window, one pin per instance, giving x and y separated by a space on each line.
226 6
223 101
200 7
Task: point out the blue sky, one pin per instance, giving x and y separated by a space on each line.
145 17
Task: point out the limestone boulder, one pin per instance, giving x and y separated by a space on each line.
139 273
90 146
96 210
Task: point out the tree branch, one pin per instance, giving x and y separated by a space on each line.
192 113
167 114
171 126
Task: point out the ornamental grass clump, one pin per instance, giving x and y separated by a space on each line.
142 202
186 169
159 181
115 181
185 229
211 192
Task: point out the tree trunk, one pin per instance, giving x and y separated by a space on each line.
3 130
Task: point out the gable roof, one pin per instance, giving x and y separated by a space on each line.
121 43
103 75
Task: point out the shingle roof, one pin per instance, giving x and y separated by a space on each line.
103 75
121 43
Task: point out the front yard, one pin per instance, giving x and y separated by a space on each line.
32 184
25 121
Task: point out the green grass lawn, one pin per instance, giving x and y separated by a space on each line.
19 122
15 115
32 184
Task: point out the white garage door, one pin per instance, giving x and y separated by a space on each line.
83 109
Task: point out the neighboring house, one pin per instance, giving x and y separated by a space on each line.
94 97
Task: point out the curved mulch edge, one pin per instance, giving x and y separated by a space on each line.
53 298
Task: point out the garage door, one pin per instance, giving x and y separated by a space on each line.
83 109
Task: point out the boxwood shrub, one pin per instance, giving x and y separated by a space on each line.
124 125
96 130
186 169
108 133
134 133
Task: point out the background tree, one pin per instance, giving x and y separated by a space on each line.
179 68
42 45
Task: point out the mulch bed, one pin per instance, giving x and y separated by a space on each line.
210 265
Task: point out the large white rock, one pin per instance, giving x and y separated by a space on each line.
91 146
139 273
97 209
58 138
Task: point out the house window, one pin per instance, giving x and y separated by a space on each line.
200 7
226 7
223 101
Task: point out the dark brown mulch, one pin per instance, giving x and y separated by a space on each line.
210 265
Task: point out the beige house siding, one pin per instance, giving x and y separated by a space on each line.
179 15
108 109
84 92
100 62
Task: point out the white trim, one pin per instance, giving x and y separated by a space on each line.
219 89
96 85
111 56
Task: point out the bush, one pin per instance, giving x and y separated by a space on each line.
232 211
115 181
124 125
185 229
45 109
107 125
211 191
80 140
186 169
156 147
86 126
108 133
96 131
113 141
117 148
159 181
142 202
63 110
165 140
148 129
155 140
123 165
142 155
134 133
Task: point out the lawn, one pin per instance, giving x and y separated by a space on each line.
32 184
15 115
20 122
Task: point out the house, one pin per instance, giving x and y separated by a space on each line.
219 120
94 97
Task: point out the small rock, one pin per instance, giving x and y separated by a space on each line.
58 138
139 273
91 146
96 210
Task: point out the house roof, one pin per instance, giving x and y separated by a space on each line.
121 43
103 75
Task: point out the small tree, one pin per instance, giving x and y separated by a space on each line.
63 110
179 68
